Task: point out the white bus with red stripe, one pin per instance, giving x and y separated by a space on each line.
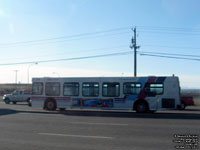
142 94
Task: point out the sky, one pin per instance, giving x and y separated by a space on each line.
34 32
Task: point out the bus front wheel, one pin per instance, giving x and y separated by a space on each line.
50 104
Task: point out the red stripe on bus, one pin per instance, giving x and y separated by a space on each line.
56 98
142 94
119 99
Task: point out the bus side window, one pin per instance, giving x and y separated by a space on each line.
37 88
71 89
111 89
132 88
153 89
52 88
90 89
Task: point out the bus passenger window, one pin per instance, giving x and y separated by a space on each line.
132 88
37 88
111 89
71 89
90 89
154 88
52 89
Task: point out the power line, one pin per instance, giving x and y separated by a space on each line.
82 35
173 57
169 28
67 59
65 40
178 47
72 51
170 54
101 32
167 32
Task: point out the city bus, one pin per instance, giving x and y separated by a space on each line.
142 94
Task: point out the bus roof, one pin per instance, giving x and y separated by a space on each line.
97 78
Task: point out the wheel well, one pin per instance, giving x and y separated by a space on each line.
49 99
140 101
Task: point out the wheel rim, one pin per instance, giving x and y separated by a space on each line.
182 106
7 101
50 105
141 108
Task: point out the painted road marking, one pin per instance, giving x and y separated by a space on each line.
77 136
105 124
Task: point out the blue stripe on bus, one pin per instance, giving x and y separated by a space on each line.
161 79
143 81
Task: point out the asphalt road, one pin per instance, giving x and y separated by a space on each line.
24 128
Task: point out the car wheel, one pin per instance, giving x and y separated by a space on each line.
7 101
28 101
183 106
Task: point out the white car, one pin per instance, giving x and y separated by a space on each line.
17 96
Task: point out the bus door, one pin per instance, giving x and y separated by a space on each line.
154 92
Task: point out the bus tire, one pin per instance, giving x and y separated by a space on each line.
141 107
152 111
50 104
62 109
14 102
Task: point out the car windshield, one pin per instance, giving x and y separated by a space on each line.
14 92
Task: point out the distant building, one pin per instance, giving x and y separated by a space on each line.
8 88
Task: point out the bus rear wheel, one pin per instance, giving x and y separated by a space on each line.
50 104
141 107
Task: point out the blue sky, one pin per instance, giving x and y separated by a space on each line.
31 20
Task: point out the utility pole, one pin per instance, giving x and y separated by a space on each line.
28 71
134 45
16 75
